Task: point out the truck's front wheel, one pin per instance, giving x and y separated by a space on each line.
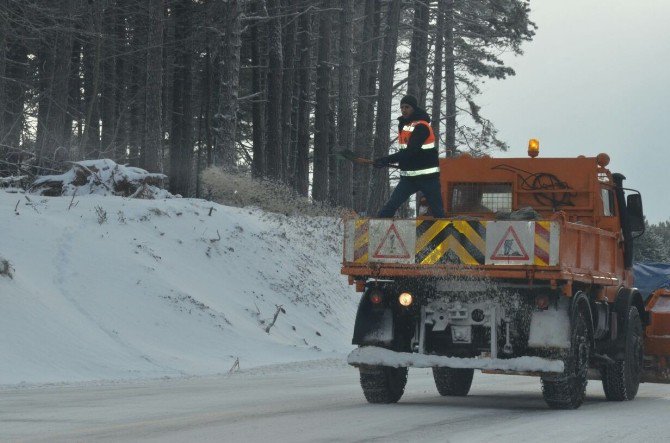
622 379
567 391
453 382
383 384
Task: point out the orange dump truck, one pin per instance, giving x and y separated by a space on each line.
531 273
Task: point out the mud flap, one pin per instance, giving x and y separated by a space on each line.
374 325
551 328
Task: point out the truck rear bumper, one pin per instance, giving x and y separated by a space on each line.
375 356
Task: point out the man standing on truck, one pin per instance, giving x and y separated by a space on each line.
417 159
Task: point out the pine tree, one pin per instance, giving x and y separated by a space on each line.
345 109
651 246
379 180
228 59
477 32
181 142
322 111
153 133
367 85
301 175
418 56
273 147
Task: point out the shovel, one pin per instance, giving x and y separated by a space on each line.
350 155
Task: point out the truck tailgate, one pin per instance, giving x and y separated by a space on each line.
386 247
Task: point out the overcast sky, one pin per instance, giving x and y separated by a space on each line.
596 78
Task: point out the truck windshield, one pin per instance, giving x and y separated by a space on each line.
481 197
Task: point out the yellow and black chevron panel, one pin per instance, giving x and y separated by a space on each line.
542 241
450 241
361 240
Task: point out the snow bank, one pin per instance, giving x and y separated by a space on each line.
117 288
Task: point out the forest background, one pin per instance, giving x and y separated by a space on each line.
268 88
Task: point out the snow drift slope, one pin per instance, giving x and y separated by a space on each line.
163 288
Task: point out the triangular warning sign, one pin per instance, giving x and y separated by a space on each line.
391 245
510 247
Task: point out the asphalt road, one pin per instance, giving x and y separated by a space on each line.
320 402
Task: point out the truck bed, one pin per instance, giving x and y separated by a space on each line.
536 250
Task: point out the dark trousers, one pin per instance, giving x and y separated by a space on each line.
410 185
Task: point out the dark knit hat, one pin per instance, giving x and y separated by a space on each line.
410 100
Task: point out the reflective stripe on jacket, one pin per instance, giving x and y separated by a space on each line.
419 164
406 132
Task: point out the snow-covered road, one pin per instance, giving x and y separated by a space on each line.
321 401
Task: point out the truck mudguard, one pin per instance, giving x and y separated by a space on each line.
581 301
374 325
626 298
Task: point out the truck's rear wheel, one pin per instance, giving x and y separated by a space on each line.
567 391
383 384
453 382
621 380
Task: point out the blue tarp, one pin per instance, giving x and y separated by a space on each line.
651 276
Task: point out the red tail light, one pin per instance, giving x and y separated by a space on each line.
376 297
542 301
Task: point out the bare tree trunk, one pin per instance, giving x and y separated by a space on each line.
450 78
181 146
4 30
380 179
258 165
273 147
333 164
153 129
206 99
365 117
92 60
75 97
437 72
124 69
169 61
302 148
345 107
229 65
136 90
108 114
54 61
14 84
320 176
418 56
289 43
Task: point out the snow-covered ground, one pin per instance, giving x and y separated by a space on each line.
123 318
109 288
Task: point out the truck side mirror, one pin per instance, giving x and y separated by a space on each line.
635 213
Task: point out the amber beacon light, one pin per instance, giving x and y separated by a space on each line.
533 147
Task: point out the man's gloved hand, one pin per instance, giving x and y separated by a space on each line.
380 162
